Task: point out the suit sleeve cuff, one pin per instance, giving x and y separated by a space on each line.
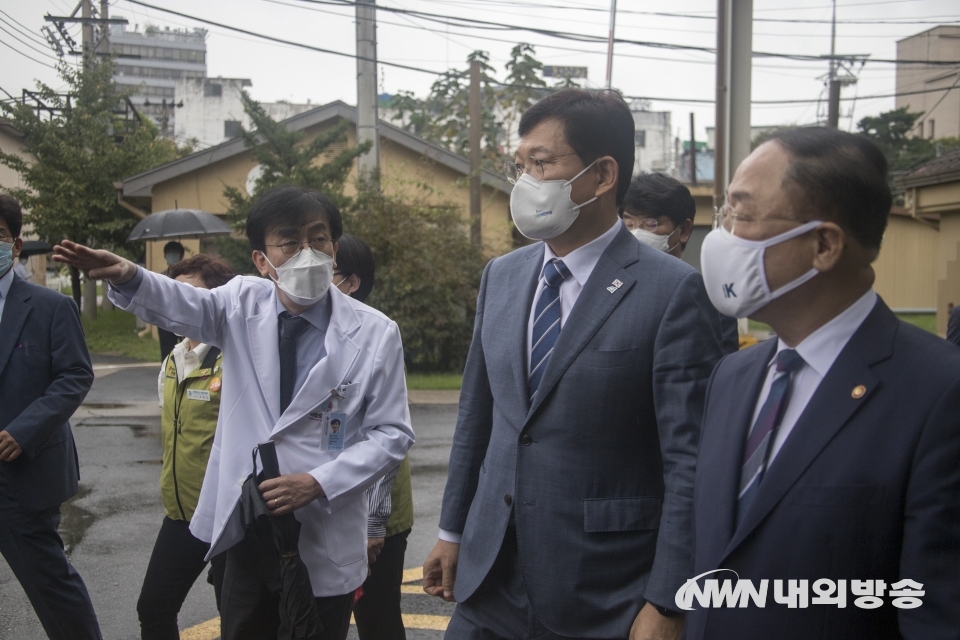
450 536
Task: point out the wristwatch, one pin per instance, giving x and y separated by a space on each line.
667 613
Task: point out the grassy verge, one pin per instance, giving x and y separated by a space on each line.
434 381
114 333
926 321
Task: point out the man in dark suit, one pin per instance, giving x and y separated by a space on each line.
45 373
659 211
568 502
831 454
953 326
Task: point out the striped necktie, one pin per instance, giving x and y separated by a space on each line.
756 451
546 326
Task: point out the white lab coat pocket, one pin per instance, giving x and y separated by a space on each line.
346 542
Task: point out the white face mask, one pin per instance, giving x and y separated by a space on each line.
542 209
733 271
655 240
305 277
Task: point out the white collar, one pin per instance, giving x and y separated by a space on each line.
821 348
182 348
582 260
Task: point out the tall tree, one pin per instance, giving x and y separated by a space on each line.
891 132
522 87
78 146
285 158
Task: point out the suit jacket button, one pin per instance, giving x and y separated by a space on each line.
508 499
525 439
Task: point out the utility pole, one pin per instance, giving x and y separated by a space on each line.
733 132
86 12
720 124
693 152
368 164
613 22
476 129
833 104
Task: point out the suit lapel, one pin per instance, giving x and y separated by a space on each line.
264 341
327 374
720 482
830 408
591 310
525 280
15 312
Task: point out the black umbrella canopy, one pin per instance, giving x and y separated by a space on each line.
179 223
34 248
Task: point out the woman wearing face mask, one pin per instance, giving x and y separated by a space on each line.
189 390
391 499
173 253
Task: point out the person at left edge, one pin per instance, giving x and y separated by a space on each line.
45 374
348 360
953 326
189 386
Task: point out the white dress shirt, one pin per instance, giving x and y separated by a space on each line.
5 283
186 361
819 351
581 262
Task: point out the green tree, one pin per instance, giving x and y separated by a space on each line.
427 275
285 158
443 117
78 149
891 132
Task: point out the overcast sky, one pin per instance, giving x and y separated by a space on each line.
285 72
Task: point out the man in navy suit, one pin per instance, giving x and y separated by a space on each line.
45 373
568 502
830 454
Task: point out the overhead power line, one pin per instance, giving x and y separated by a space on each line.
455 21
8 45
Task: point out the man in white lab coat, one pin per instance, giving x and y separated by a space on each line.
297 354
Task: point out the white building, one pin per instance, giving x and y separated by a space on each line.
212 110
152 61
653 139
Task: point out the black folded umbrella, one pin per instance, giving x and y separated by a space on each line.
34 248
279 537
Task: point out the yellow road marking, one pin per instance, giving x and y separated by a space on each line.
417 621
411 588
412 575
204 631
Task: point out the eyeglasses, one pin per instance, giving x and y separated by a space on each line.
724 217
292 247
513 171
647 224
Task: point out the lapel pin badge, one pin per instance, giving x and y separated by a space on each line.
616 284
858 392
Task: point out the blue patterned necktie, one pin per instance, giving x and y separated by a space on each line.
756 450
291 327
546 326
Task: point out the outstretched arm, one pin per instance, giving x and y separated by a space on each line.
97 263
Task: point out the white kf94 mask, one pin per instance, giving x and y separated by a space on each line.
655 240
733 271
542 209
305 277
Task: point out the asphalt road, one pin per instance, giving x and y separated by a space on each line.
109 528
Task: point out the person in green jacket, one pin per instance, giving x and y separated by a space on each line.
377 612
189 390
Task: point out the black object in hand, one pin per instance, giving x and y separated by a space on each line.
268 458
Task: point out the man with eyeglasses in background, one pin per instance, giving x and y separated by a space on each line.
828 454
567 508
659 211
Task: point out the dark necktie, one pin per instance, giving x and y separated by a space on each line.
291 327
546 325
756 450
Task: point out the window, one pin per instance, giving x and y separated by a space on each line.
640 138
212 90
231 128
932 123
